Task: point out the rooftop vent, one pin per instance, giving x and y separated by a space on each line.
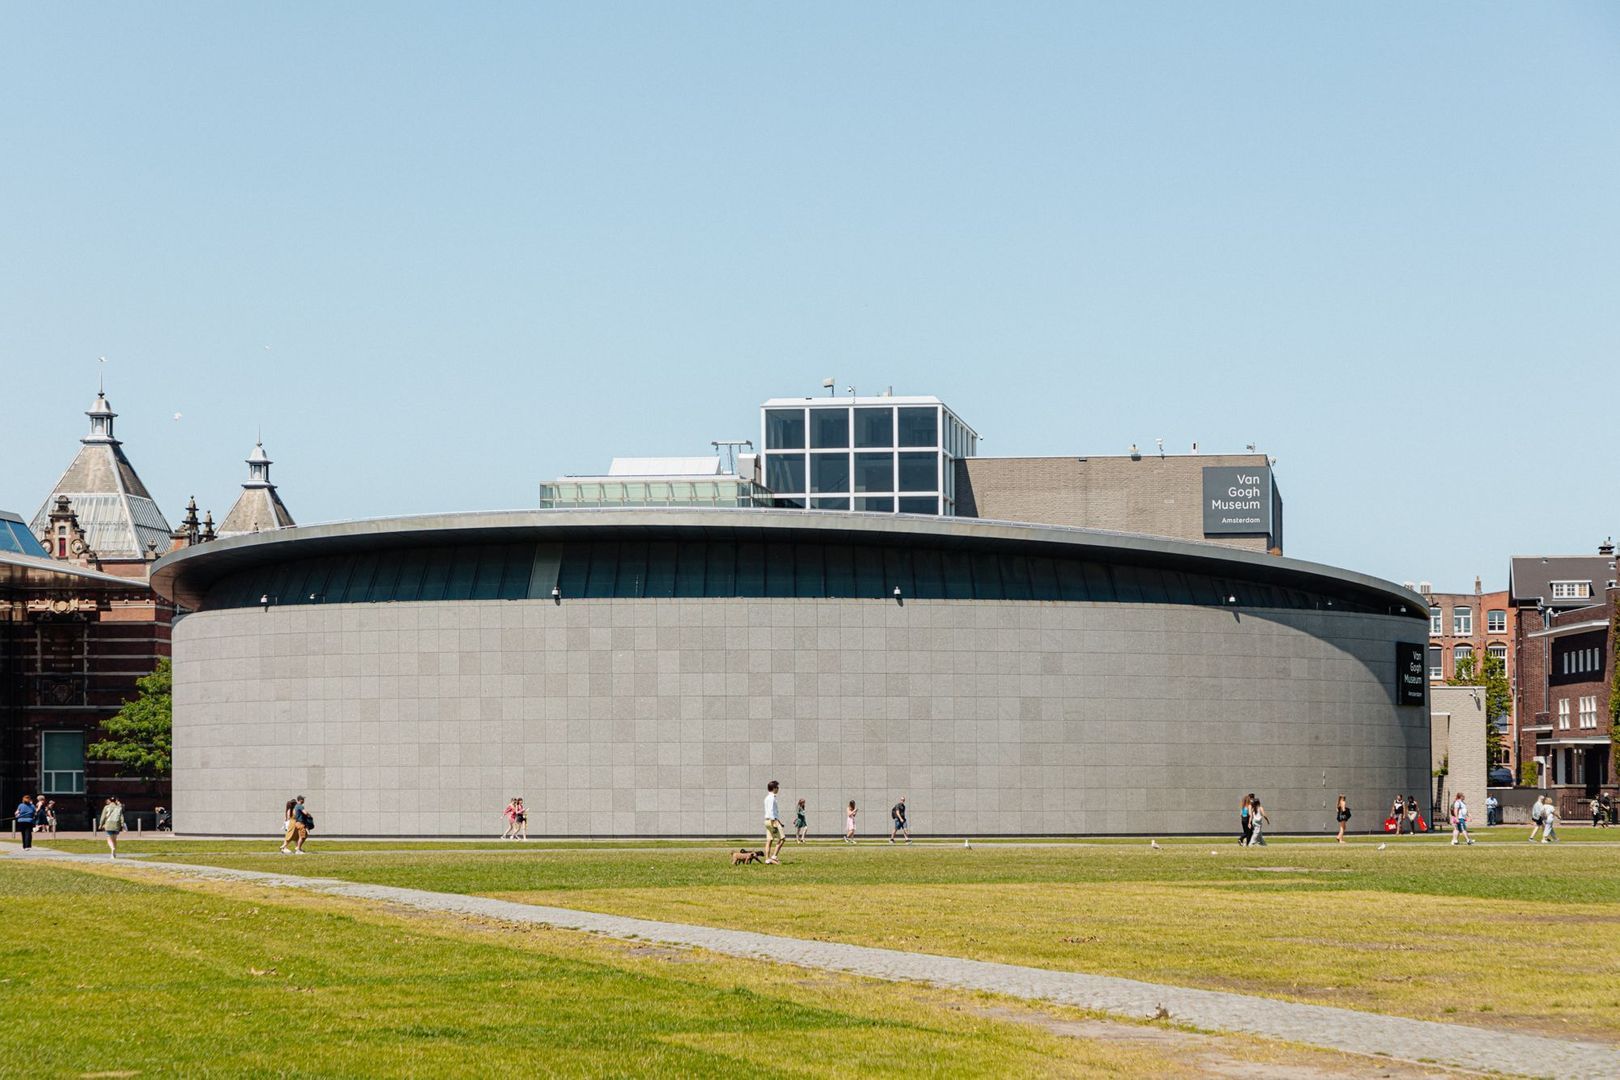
1607 547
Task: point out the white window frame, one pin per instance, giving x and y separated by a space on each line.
1571 590
1563 714
46 778
1437 624
1497 650
1462 621
1496 621
1588 712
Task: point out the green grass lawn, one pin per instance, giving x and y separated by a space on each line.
133 974
1419 929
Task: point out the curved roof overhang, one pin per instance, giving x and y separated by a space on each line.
185 575
32 574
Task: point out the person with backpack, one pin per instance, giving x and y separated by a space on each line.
112 823
897 821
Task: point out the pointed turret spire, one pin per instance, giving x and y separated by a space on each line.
120 520
101 421
258 463
258 508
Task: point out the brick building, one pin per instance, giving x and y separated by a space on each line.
1475 626
1564 652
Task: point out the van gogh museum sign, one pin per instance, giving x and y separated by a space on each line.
1237 502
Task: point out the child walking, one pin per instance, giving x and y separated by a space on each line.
800 826
849 824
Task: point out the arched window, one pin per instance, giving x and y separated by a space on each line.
1459 654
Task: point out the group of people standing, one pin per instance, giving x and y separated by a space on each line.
517 820
776 835
34 814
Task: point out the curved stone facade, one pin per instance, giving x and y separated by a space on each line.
666 716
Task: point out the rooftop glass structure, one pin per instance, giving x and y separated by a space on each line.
875 454
16 538
574 493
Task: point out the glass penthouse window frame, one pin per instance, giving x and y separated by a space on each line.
799 471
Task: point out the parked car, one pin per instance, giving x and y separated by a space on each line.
1500 776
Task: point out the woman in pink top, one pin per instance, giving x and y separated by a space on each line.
511 820
849 824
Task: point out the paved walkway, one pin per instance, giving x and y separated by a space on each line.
1313 1025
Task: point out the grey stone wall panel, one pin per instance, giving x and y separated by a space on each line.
666 717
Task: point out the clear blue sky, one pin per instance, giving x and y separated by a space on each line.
488 244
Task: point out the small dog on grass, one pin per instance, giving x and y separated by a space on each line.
746 856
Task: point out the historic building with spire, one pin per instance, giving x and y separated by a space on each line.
79 624
109 517
258 508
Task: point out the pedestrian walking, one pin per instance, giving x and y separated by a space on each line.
1343 816
897 821
1549 822
1413 821
774 836
45 816
1538 813
800 825
522 820
1245 824
1257 822
849 823
112 823
299 822
24 819
510 814
1459 820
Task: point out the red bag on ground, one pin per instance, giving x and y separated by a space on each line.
1422 826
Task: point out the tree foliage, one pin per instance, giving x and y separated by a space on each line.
1498 694
140 736
1614 680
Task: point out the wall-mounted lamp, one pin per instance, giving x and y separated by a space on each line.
1231 599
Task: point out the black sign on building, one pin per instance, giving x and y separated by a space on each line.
1411 680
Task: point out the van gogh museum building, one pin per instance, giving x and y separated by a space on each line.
862 609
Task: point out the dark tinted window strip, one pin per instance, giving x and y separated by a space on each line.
725 568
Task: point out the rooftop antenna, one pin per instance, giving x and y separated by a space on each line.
1249 447
1161 446
829 385
101 381
850 390
729 447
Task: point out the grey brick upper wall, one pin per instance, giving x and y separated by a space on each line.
667 717
1156 496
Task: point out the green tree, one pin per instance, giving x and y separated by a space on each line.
1614 681
1498 694
140 737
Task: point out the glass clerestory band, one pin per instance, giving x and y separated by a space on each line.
611 568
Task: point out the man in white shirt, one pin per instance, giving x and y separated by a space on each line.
774 833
